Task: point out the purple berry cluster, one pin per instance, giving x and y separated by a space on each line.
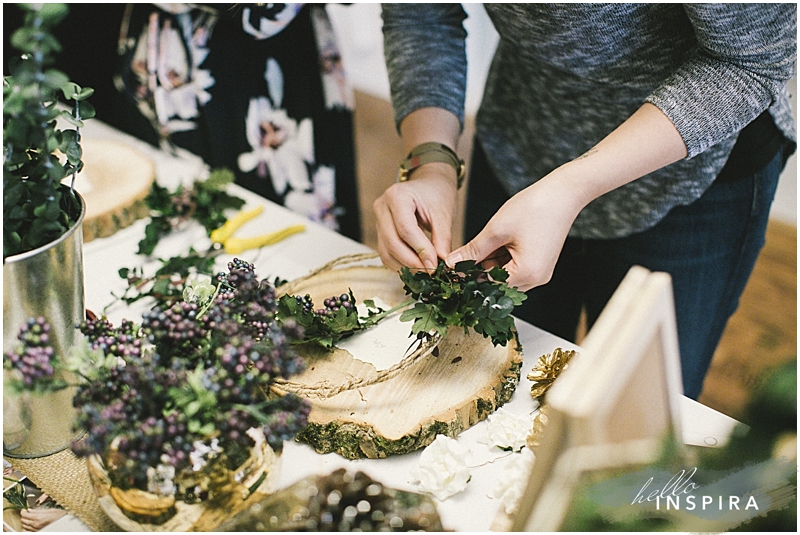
185 375
332 304
34 358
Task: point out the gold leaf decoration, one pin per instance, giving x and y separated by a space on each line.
547 369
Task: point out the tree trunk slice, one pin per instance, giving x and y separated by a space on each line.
114 183
443 394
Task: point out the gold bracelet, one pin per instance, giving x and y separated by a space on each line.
428 153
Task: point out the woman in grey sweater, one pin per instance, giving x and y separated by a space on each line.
609 135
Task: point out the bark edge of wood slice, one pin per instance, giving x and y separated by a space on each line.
119 178
445 394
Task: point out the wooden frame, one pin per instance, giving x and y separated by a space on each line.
614 404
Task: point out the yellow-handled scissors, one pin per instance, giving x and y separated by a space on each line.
224 235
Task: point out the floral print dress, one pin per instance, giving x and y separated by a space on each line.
256 88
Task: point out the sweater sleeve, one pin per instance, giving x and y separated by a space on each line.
424 46
746 53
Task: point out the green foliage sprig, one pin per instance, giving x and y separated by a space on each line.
205 202
466 296
36 210
165 286
327 329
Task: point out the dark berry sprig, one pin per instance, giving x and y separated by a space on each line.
176 331
187 382
34 358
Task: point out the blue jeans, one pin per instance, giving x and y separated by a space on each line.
709 248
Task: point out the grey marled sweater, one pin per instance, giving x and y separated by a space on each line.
565 75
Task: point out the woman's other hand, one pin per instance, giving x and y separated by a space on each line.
415 218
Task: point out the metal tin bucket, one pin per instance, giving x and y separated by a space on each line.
48 282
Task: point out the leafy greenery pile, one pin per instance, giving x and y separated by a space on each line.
205 202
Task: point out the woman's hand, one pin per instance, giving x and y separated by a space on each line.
415 218
526 234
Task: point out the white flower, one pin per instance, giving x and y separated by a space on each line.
515 476
507 430
442 469
160 480
199 291
201 453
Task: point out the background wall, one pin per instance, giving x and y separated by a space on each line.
358 28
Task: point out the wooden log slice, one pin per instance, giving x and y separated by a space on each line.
114 182
442 394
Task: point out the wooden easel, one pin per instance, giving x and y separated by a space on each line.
615 403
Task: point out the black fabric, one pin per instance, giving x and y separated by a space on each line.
756 146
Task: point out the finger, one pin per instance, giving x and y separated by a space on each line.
516 280
479 248
394 252
500 257
410 233
388 258
442 239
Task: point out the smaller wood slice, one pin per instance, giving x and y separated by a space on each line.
443 394
119 178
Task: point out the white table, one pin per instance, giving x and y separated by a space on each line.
471 510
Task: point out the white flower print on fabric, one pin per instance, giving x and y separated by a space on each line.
507 430
512 484
281 146
270 19
166 62
319 204
338 93
442 470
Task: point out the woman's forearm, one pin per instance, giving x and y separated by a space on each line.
645 142
429 124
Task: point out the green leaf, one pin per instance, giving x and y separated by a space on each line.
77 123
466 296
192 408
465 266
85 93
52 13
219 179
87 110
498 274
161 286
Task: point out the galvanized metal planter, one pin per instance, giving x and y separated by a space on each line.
48 282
